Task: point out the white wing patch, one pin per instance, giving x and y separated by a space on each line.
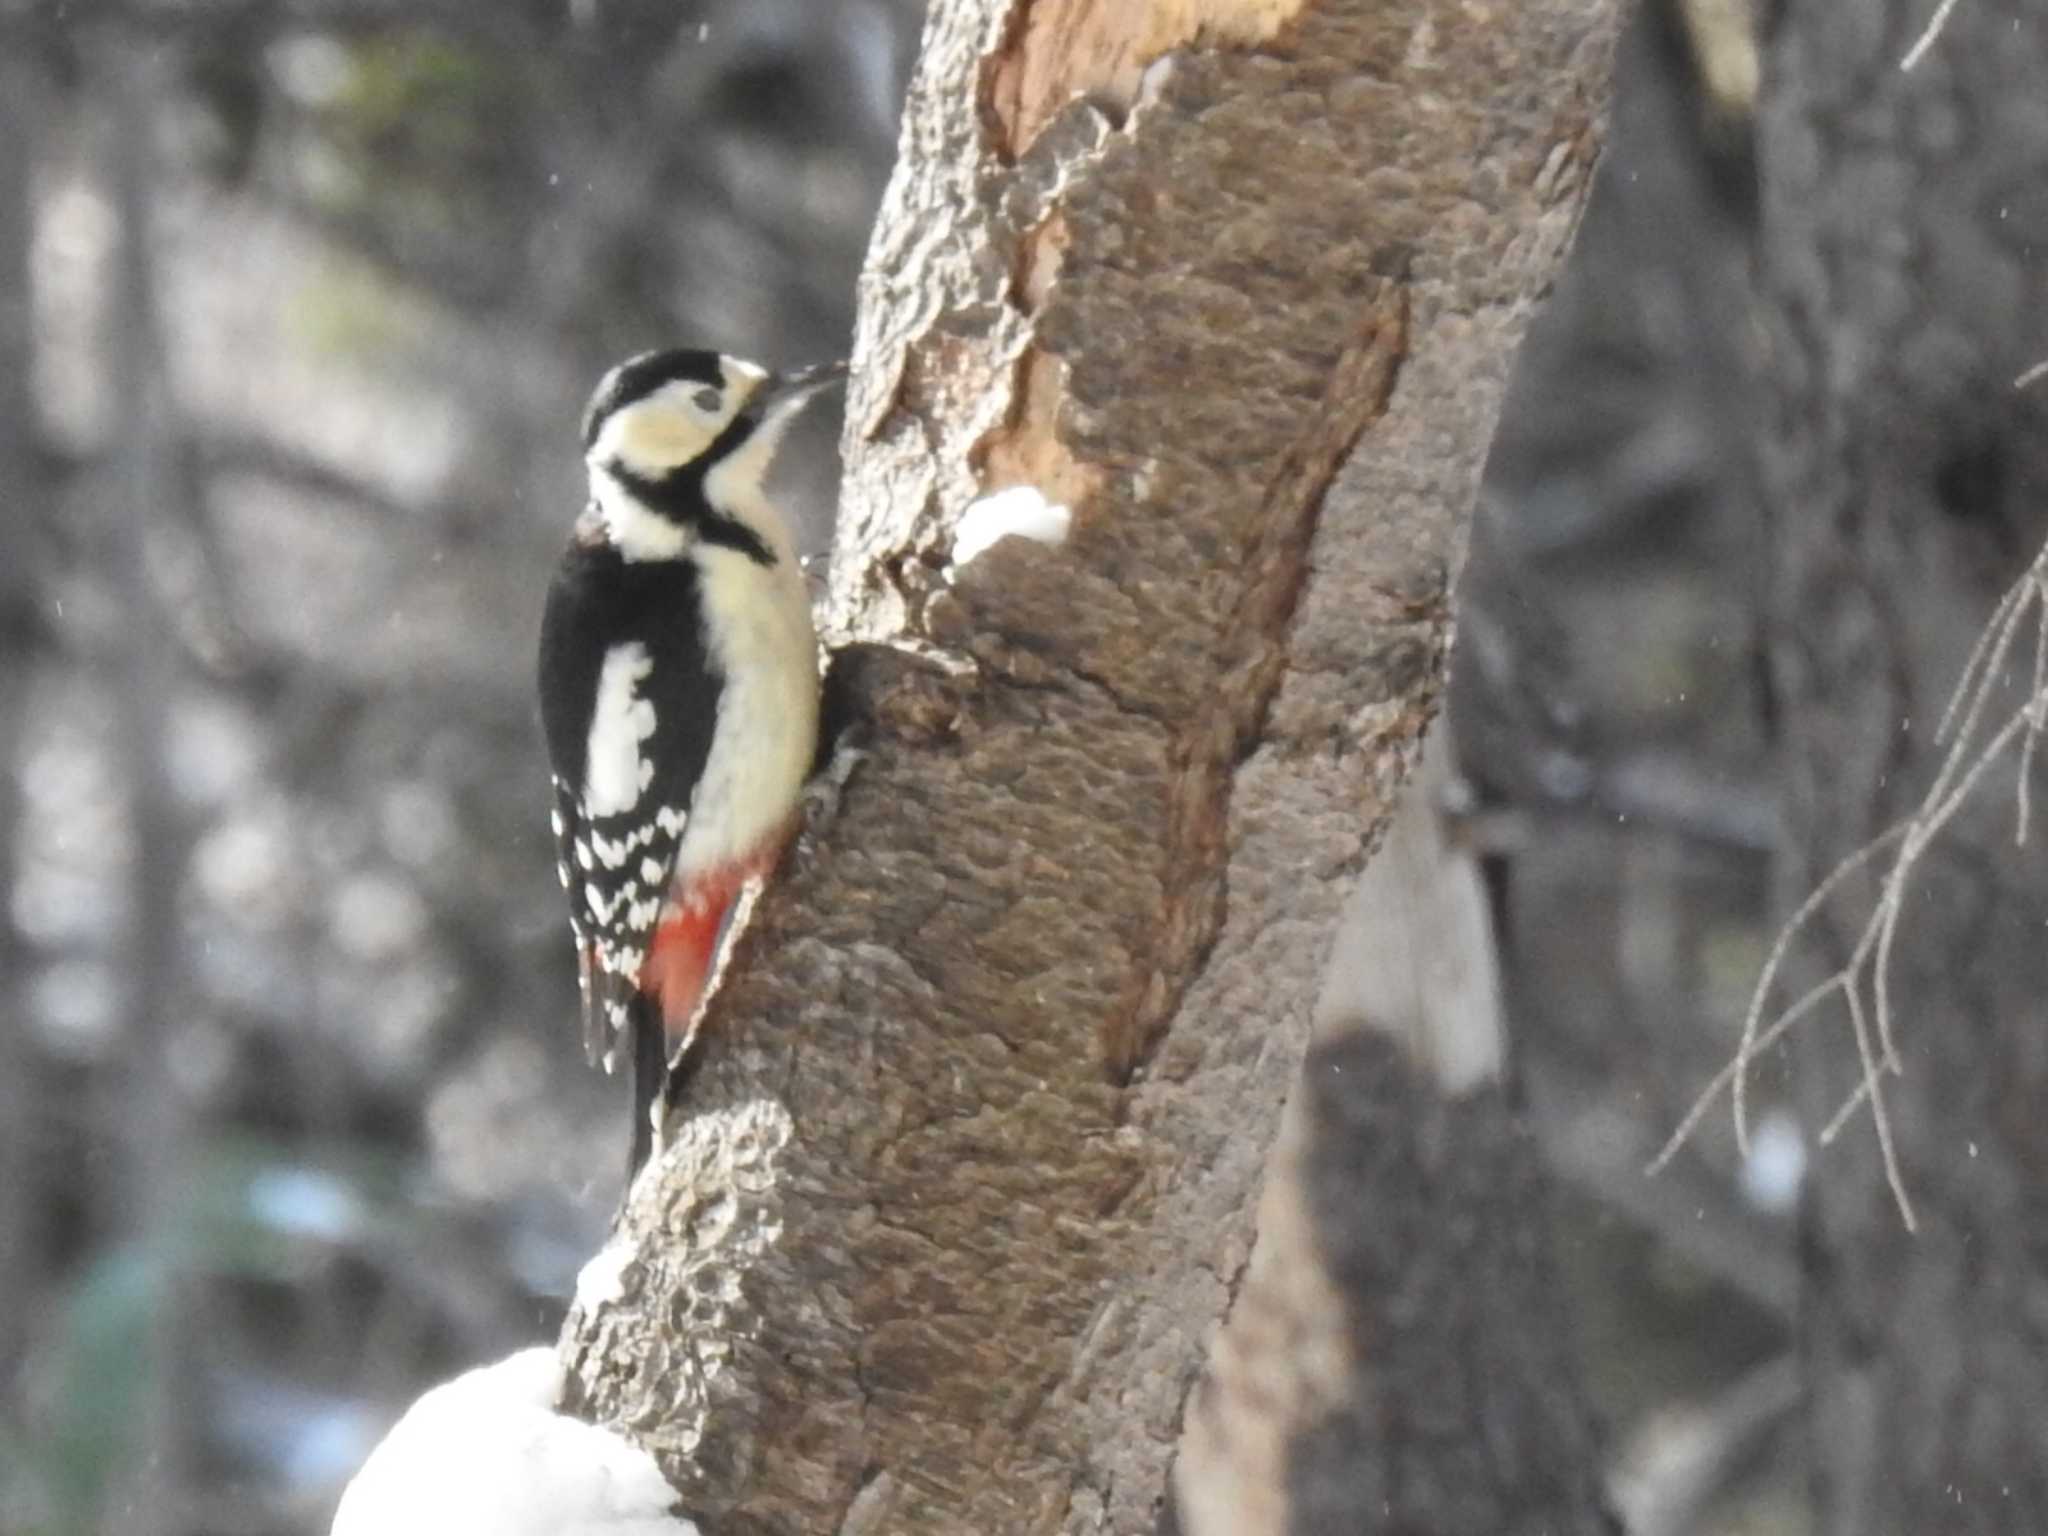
616 769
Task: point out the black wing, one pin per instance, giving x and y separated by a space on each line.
616 864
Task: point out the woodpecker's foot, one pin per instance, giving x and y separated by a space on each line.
657 1127
650 1140
682 1072
823 793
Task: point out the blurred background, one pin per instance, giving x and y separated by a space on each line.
299 306
299 302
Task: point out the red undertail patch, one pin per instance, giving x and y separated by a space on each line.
679 959
685 941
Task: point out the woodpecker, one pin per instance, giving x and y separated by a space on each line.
678 692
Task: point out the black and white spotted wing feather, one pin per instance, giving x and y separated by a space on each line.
629 700
616 870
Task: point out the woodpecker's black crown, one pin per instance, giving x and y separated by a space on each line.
638 377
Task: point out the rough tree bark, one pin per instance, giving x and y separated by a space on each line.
1905 247
966 1174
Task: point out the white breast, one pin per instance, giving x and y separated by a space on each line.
758 626
616 766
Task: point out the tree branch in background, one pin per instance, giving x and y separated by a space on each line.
1864 980
20 636
148 1187
1904 290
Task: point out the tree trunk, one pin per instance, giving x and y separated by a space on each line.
1906 274
969 1164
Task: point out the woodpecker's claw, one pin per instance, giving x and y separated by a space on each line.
823 793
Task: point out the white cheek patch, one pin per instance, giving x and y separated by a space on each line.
616 768
636 532
654 434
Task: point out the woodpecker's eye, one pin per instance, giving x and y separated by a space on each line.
707 401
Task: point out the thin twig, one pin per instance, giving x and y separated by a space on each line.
1926 824
1779 1027
1957 780
1844 1113
1919 50
1997 631
1931 819
1859 1026
1891 904
1746 1051
2037 716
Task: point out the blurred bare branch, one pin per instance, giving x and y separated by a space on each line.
20 629
148 1178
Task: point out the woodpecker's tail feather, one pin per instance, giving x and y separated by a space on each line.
661 1008
607 1001
650 1079
660 1080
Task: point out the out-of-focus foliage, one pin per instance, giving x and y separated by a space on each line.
298 307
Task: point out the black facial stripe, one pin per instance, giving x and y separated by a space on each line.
680 496
736 535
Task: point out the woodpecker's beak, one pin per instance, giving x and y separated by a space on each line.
782 395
